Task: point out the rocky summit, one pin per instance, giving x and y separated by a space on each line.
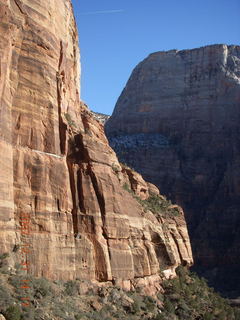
89 217
177 122
103 118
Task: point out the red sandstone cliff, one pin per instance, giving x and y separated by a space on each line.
56 164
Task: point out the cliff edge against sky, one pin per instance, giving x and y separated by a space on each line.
86 217
177 123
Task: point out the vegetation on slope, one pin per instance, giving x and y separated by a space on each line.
159 205
186 297
189 297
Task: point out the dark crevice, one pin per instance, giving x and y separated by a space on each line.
31 137
62 125
58 205
80 191
101 203
35 203
18 123
161 250
78 156
73 192
19 5
60 57
98 193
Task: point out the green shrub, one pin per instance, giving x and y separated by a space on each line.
80 316
17 282
168 306
13 313
115 168
236 313
70 121
160 205
30 314
150 303
156 204
181 271
71 288
189 297
160 316
208 316
4 256
6 298
128 189
41 287
186 297
137 305
3 263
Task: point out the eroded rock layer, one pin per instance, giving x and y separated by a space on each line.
177 123
57 167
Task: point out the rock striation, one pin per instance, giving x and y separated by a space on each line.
56 166
177 123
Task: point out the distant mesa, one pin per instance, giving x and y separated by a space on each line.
177 122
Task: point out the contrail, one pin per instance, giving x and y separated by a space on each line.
102 12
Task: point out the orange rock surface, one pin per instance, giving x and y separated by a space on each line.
57 167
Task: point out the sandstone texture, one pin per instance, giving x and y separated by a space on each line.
57 168
177 123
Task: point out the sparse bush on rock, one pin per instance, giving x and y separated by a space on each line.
186 297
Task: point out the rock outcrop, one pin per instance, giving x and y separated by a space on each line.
177 123
103 118
58 171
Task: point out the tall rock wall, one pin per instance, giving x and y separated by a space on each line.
39 60
177 122
57 168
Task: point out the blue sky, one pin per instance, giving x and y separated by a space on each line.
113 43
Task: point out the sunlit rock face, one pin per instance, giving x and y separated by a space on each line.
57 168
177 123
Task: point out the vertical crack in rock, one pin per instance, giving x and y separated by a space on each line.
19 5
93 177
73 193
101 203
184 242
60 57
161 250
98 193
76 155
62 125
177 246
80 190
18 122
35 203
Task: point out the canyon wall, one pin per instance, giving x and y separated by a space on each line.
177 123
56 167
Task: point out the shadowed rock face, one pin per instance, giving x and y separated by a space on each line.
57 167
177 122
